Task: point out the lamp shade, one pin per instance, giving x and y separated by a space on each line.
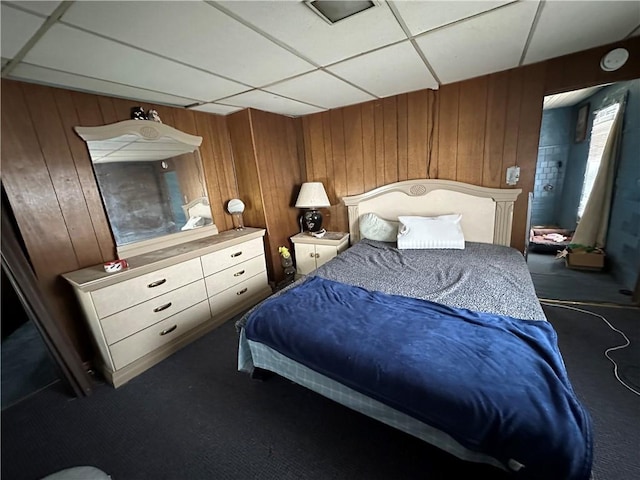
235 205
312 195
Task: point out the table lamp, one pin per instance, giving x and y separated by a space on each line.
235 207
311 197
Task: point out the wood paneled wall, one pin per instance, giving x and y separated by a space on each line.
357 148
469 131
266 152
50 183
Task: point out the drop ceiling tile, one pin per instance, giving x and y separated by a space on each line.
471 48
100 58
562 25
568 99
194 33
32 73
270 102
17 27
320 88
216 108
423 16
377 72
299 27
45 8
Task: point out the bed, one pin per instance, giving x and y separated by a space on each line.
448 345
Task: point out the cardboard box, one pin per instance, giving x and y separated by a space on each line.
585 261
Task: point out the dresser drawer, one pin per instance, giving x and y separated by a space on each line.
125 323
232 276
155 336
236 295
228 257
121 296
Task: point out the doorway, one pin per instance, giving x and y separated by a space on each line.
27 366
565 140
35 351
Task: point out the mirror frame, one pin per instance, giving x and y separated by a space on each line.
149 131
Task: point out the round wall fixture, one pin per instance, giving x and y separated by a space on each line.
614 59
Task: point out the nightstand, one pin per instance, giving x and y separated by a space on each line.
311 252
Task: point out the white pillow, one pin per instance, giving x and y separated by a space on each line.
376 228
443 231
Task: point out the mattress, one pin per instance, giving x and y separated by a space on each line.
482 277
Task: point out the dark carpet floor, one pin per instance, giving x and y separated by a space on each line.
615 410
553 280
194 417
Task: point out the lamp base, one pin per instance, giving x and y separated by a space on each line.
312 220
238 223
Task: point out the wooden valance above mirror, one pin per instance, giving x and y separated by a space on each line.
136 141
152 184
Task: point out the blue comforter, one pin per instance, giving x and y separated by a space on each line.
496 384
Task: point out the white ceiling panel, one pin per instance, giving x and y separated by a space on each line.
99 58
423 16
562 26
314 88
297 26
472 48
17 27
215 108
280 56
568 99
271 103
377 72
45 8
47 76
194 33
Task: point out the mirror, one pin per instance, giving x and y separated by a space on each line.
152 184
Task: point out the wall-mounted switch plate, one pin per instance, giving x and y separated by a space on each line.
513 175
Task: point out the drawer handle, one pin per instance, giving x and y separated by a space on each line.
162 307
237 254
157 283
244 290
168 330
241 272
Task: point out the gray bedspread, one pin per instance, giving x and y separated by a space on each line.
482 277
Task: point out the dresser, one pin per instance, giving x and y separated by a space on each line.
168 298
311 252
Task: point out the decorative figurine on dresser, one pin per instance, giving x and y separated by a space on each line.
170 285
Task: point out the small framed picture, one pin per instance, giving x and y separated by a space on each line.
581 123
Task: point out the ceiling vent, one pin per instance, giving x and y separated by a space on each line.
332 11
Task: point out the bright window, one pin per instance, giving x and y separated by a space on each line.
600 130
